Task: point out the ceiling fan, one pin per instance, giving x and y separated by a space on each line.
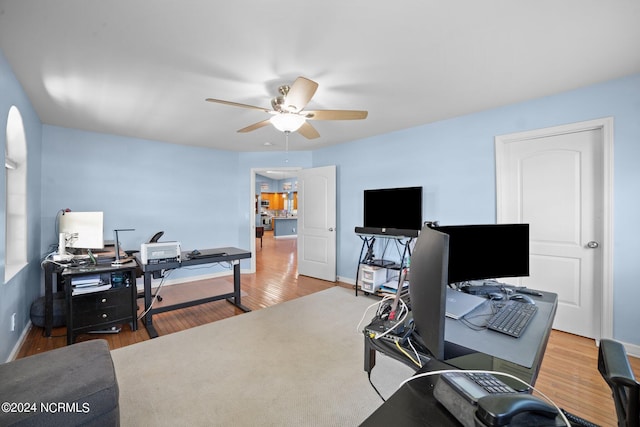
288 113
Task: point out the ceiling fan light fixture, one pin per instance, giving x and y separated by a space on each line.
287 122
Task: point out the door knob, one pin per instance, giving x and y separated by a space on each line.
593 244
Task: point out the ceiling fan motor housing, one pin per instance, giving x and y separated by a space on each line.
278 103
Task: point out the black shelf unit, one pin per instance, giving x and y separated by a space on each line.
401 239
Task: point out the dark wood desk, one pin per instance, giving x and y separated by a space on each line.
52 283
413 405
232 255
99 310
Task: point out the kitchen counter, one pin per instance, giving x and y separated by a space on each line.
285 226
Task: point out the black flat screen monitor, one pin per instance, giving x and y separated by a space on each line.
487 251
428 284
398 208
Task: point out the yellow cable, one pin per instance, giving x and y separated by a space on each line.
407 354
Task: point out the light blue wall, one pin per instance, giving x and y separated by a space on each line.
454 162
147 185
199 197
17 294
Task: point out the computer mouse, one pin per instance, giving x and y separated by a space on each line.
195 252
495 296
522 298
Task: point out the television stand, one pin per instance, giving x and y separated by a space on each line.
374 269
381 263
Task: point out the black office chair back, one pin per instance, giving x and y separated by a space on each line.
156 237
614 367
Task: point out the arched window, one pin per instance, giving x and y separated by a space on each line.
15 166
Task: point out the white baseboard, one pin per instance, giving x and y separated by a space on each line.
23 336
632 350
347 280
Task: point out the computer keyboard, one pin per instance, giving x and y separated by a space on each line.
512 318
206 255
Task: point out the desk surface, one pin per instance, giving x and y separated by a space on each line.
523 351
98 268
230 254
413 404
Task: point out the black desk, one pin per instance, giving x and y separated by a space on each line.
413 405
53 282
51 278
99 310
233 255
490 350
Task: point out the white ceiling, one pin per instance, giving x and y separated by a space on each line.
143 68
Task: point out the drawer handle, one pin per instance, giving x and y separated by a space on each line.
104 315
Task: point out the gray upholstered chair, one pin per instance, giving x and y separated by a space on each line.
70 386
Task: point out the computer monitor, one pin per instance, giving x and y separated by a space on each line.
393 208
82 230
428 282
487 251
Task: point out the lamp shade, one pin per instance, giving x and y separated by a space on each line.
287 122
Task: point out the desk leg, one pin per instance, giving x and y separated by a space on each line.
134 300
369 356
48 298
237 300
69 300
148 317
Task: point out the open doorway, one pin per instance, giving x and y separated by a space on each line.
276 208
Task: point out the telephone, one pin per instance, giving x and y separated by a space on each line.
480 399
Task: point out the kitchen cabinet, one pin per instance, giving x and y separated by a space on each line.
277 200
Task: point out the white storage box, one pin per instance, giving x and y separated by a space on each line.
371 277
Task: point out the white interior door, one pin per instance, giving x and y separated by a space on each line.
317 223
554 180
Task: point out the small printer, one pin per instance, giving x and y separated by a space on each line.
160 253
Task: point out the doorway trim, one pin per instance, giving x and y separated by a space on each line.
252 210
606 127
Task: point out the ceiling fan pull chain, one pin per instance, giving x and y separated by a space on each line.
286 143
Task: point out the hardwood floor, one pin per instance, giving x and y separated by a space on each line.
569 374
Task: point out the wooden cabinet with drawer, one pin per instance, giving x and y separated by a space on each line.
100 299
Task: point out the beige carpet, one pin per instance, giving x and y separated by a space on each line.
299 363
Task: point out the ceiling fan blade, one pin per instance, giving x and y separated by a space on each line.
308 131
336 114
300 93
236 104
255 126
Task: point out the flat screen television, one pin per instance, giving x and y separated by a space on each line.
393 208
487 251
